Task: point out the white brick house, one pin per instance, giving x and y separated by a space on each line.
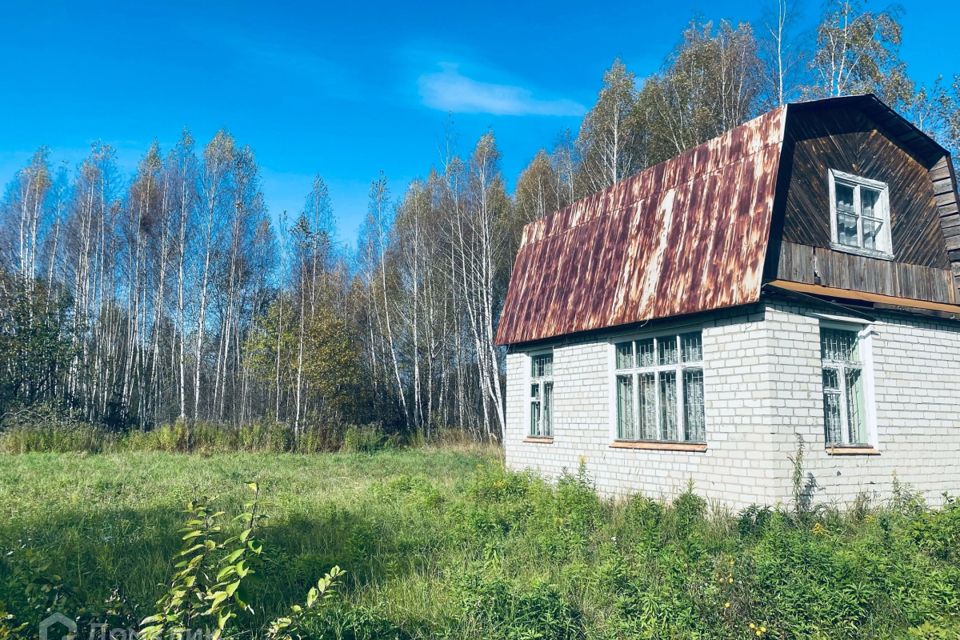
795 278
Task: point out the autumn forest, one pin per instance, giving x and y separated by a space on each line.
175 296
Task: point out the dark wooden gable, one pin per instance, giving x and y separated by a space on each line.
945 192
861 136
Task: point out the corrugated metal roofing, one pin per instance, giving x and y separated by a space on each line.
684 236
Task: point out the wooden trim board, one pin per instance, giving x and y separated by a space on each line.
852 451
659 446
819 290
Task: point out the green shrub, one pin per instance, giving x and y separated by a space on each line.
496 609
855 579
641 523
496 502
353 622
42 428
945 629
577 508
366 439
938 532
408 489
10 627
672 584
752 521
688 510
315 437
565 519
208 588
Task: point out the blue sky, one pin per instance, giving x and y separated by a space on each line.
343 89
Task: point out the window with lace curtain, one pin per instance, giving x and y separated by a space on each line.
659 389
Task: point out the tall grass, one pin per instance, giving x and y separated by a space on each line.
63 436
59 439
46 429
442 543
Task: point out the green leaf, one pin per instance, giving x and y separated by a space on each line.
226 571
242 570
192 549
232 587
231 558
223 618
216 599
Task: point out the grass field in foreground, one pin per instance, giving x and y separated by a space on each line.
445 543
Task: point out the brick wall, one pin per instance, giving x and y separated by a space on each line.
762 388
916 370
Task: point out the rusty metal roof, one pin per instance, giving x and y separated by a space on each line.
684 236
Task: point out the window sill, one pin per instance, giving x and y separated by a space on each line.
866 253
539 439
852 451
659 446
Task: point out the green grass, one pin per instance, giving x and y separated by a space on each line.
44 431
445 543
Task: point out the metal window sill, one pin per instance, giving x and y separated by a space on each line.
539 439
694 447
852 451
858 251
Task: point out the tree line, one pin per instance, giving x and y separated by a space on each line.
175 295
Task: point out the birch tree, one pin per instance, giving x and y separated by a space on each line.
182 171
218 158
378 224
779 52
480 232
608 142
858 51
711 83
23 212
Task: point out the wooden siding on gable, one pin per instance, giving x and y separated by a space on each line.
847 140
924 218
836 269
945 193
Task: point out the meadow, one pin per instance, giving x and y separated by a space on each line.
442 542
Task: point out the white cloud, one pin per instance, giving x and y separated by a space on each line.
449 90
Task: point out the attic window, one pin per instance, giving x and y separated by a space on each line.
859 215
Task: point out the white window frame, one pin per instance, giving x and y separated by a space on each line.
884 243
865 336
541 383
678 368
